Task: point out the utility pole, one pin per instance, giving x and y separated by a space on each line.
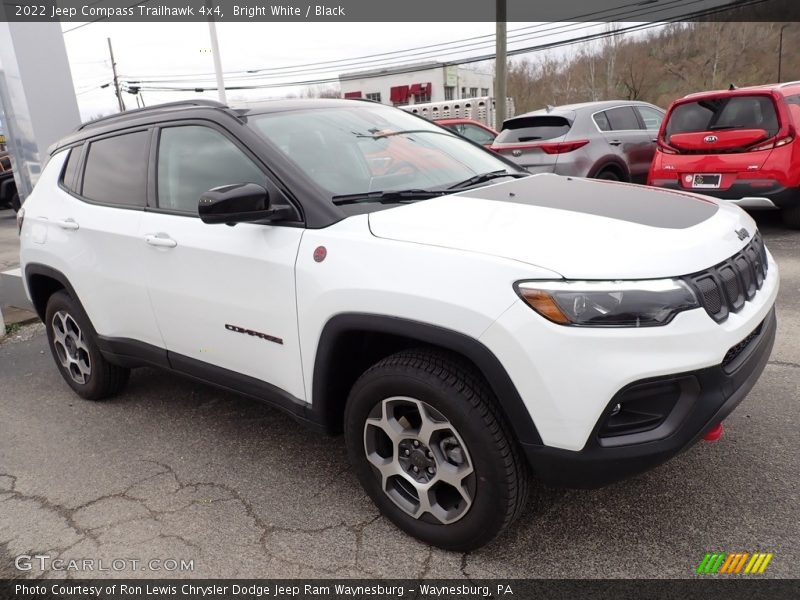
501 65
212 31
780 53
116 80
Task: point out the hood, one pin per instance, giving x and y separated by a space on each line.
580 228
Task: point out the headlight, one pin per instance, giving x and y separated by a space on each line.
644 303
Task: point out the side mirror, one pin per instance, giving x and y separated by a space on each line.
239 203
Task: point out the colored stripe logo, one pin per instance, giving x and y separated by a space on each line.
734 563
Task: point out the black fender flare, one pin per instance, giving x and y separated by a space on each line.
32 269
511 403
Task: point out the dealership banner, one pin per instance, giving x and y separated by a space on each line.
528 589
640 11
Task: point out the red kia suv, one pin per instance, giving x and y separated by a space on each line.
737 145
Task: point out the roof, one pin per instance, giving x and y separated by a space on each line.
409 68
188 109
770 87
569 108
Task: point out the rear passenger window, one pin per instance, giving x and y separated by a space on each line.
602 122
116 170
194 159
71 169
623 118
652 118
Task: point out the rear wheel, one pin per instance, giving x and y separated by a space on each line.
430 448
791 217
74 348
608 175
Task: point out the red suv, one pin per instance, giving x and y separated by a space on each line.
737 145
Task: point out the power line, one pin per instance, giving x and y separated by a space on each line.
412 52
515 52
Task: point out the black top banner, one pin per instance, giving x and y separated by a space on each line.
644 11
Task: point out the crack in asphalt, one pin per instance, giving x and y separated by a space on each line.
783 363
81 525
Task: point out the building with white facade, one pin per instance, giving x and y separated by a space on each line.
417 83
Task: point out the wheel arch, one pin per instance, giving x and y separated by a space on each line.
352 342
42 282
611 164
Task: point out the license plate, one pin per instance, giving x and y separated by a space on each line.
705 181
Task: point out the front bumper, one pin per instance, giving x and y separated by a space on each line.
708 395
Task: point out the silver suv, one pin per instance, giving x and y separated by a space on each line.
613 140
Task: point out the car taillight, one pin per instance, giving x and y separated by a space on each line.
563 147
663 147
774 144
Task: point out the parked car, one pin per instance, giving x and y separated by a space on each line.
463 335
470 129
738 145
613 140
9 198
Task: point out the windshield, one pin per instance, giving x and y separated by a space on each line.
369 148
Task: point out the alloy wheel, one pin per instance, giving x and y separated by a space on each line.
71 348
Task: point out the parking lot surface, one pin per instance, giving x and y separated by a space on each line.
174 469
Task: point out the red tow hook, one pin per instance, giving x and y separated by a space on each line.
715 433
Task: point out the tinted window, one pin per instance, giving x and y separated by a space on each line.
602 122
116 170
532 129
731 112
652 118
71 168
192 160
623 118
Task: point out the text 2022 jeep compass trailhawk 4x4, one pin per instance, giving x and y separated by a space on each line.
465 324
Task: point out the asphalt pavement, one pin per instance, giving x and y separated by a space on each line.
174 469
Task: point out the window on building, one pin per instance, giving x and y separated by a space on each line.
473 92
449 92
484 91
374 96
421 92
463 92
116 170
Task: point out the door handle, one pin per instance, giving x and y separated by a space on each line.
654 140
615 142
69 224
162 240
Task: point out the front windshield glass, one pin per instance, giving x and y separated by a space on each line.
370 148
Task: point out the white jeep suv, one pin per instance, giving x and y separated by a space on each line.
468 326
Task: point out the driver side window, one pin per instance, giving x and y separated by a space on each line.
192 159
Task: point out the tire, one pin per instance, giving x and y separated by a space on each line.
73 343
471 446
608 175
791 217
15 203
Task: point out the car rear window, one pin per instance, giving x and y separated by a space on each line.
533 129
731 112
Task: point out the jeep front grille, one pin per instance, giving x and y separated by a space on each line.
724 288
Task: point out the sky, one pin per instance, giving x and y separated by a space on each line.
158 50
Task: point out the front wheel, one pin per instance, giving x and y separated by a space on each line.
791 217
433 452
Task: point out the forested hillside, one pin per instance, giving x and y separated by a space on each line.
658 66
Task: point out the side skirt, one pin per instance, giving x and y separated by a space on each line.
133 353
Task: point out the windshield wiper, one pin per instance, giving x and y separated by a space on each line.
483 177
378 136
388 196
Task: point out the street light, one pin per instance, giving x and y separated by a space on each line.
780 52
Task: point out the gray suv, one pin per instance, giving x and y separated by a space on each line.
612 140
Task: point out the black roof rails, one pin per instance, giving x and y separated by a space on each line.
155 107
